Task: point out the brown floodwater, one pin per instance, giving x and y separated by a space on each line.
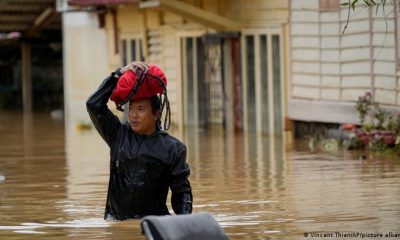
53 185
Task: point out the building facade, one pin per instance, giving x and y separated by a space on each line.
225 60
246 65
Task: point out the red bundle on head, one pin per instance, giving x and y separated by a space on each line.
143 83
133 86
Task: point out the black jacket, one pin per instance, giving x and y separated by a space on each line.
142 168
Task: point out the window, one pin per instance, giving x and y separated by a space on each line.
189 69
131 50
262 78
277 82
264 81
251 84
195 101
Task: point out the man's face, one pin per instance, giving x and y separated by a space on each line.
141 116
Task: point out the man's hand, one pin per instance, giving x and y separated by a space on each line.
136 67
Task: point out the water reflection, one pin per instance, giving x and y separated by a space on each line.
256 186
239 178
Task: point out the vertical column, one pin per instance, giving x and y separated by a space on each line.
237 86
27 97
26 77
228 82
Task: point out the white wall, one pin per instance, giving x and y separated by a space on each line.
85 66
331 68
85 62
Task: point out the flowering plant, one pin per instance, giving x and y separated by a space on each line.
363 106
379 129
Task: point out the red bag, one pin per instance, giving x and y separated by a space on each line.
133 86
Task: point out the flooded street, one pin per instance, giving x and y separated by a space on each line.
55 185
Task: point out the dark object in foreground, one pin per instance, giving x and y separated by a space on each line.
197 226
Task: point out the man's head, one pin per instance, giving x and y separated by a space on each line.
144 115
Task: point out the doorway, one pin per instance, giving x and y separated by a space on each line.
211 81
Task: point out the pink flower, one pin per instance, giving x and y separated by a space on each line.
389 137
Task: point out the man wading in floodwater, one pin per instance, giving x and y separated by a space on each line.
145 160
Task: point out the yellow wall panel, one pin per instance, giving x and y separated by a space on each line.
153 18
169 18
129 18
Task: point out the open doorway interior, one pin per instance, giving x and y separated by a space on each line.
211 81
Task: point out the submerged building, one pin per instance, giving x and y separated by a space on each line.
257 66
224 60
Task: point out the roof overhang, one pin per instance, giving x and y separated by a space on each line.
27 18
193 13
44 18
